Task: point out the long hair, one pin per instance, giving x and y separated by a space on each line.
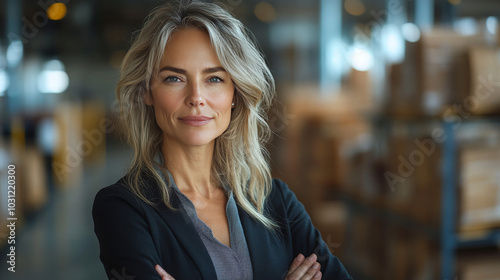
240 158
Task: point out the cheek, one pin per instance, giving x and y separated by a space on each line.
165 106
224 100
165 103
223 106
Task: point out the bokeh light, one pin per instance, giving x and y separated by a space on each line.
410 31
53 78
361 58
56 11
4 82
265 12
354 7
492 24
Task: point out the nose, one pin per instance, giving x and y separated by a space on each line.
195 96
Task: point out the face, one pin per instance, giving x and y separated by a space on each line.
192 93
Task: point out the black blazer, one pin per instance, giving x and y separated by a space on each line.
134 237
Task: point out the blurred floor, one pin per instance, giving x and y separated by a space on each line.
59 242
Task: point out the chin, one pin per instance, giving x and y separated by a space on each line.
198 139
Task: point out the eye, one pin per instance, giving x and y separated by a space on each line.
172 79
215 79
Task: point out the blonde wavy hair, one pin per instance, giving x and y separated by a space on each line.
240 158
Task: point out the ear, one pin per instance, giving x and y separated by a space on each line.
148 98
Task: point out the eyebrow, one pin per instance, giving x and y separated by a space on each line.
182 71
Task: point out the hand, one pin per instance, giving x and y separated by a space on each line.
164 275
304 268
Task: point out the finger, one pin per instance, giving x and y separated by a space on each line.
311 272
318 275
303 268
296 262
164 275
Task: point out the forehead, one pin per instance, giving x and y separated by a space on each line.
189 46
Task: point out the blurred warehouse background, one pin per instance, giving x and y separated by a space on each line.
387 127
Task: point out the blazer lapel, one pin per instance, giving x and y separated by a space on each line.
261 242
186 233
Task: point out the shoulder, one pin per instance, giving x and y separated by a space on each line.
117 195
117 190
281 197
280 190
279 187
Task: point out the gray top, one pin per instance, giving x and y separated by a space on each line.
229 262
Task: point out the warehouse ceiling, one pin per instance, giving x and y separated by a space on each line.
106 26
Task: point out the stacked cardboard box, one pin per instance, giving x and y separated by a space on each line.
441 56
441 70
483 96
480 187
427 197
320 137
330 218
32 190
399 176
398 253
480 266
360 260
424 258
323 137
95 125
402 98
71 149
385 250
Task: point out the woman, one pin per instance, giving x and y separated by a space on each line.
198 201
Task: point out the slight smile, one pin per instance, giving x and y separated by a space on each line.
196 120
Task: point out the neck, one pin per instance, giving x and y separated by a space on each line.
191 167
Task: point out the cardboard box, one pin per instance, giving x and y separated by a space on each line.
360 240
426 202
330 219
398 254
484 92
94 126
401 190
479 187
71 149
361 88
403 98
425 258
33 189
481 267
442 55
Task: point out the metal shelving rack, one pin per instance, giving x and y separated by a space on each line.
450 241
446 235
449 203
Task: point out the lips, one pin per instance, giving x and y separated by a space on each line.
195 120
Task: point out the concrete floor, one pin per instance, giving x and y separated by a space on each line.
59 243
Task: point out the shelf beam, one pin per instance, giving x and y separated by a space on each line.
449 197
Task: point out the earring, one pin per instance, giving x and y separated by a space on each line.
232 104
